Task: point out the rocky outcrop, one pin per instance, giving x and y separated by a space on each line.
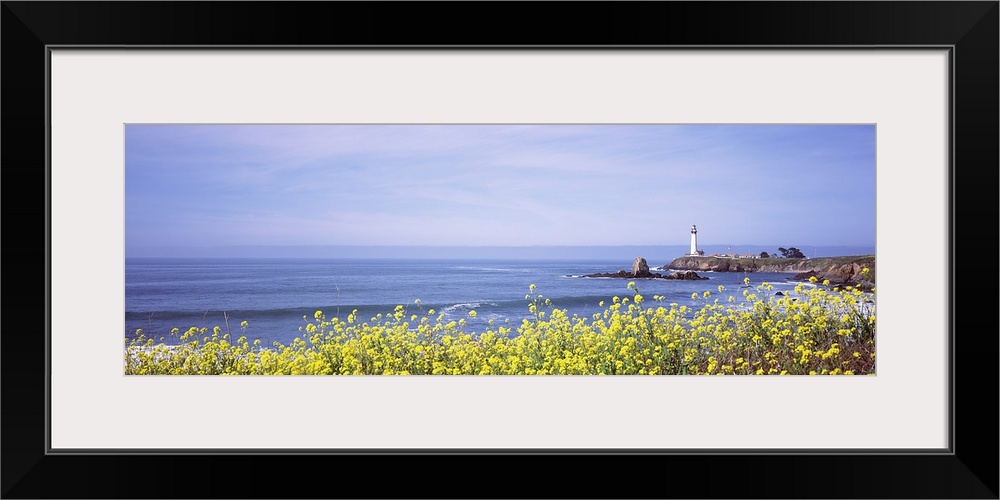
840 271
684 275
640 269
729 265
678 275
841 275
714 264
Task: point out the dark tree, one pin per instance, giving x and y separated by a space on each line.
791 253
764 255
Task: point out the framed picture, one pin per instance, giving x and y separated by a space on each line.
920 78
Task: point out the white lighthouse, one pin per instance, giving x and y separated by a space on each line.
694 240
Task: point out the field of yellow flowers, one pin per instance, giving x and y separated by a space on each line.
814 330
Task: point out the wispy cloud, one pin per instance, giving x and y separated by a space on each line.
493 184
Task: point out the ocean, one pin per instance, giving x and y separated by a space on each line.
272 294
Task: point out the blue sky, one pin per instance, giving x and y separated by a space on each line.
498 185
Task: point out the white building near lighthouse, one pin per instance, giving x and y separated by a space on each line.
694 240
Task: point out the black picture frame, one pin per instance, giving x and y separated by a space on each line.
969 470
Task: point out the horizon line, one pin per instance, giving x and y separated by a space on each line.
500 246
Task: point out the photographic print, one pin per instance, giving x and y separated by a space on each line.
461 249
84 90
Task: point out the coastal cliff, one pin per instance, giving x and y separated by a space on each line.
838 270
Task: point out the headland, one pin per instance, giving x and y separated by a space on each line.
840 271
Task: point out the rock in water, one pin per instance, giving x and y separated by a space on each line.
639 268
685 275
